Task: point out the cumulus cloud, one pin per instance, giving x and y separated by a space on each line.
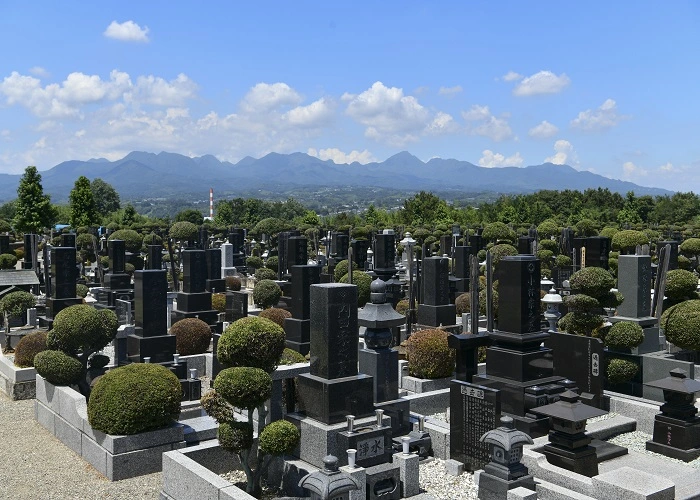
512 76
264 97
668 168
390 116
543 82
544 130
450 91
564 154
39 71
339 157
603 117
483 123
629 170
491 160
128 31
315 114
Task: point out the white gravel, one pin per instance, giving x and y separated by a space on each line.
435 481
637 441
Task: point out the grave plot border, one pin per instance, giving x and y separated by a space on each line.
16 383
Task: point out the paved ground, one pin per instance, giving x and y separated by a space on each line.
35 465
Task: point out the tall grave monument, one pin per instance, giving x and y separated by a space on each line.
435 308
385 254
195 301
63 286
297 329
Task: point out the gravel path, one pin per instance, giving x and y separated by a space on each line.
36 465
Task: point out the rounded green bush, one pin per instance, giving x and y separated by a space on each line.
82 327
621 370
150 238
243 386
291 357
192 336
628 240
593 281
17 303
264 273
402 306
58 367
681 324
501 250
681 284
235 436
216 406
562 261
19 253
254 262
624 334
7 261
184 231
273 263
580 302
690 247
481 255
586 227
498 231
683 262
218 302
276 315
84 240
28 347
266 293
580 323
98 361
279 438
609 232
134 398
253 342
548 244
132 239
463 303
5 227
547 229
341 269
81 290
233 283
363 282
429 355
546 257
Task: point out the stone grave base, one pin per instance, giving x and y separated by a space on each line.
63 412
16 383
420 385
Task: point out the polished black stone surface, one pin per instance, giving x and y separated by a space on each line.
303 276
236 306
120 281
4 243
195 271
597 251
339 245
329 401
64 272
579 359
519 294
525 244
188 302
54 306
213 258
436 315
151 302
334 330
68 240
159 348
117 256
382 365
476 242
302 348
673 256
216 286
384 251
461 262
155 257
297 330
359 252
28 249
435 281
467 355
297 252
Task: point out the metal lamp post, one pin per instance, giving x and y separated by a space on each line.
408 244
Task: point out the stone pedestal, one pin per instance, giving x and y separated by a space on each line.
435 308
195 301
382 365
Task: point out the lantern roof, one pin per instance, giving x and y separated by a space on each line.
330 481
677 382
506 436
569 408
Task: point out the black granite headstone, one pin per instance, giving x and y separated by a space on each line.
384 251
297 252
435 280
461 265
446 245
525 244
4 243
519 294
303 276
673 256
597 251
68 240
213 260
195 271
29 249
117 256
64 272
579 359
359 252
236 306
155 257
476 242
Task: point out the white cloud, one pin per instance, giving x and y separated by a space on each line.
543 82
315 114
512 76
264 97
629 170
340 157
128 31
160 92
450 91
491 160
392 117
442 123
485 124
39 71
564 153
544 130
605 116
668 168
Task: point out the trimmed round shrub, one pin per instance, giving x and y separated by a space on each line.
463 303
192 336
243 386
134 398
683 262
233 283
216 406
498 231
586 227
149 239
17 303
402 306
264 273
546 257
218 302
628 240
621 370
276 315
291 357
279 438
82 327
254 262
28 347
235 436
363 282
681 324
580 323
624 334
81 290
19 253
184 231
593 281
266 293
132 239
580 302
547 229
548 244
609 232
691 246
501 250
5 227
58 367
681 284
341 269
7 261
98 361
429 355
252 342
562 261
273 263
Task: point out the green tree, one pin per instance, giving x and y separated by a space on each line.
129 215
190 215
33 209
224 214
105 196
82 204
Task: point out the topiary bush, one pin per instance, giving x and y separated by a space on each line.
132 239
57 367
28 347
562 261
276 315
683 262
192 336
252 341
548 245
184 231
273 263
624 335
681 324
585 228
264 273
627 240
429 355
341 269
291 357
134 398
254 262
235 436
363 282
82 327
498 231
501 250
218 302
81 290
621 370
547 229
233 283
279 438
7 261
591 287
266 293
690 247
16 303
681 285
402 306
243 387
463 303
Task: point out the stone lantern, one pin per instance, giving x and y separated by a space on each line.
568 445
552 314
504 472
677 427
393 289
329 483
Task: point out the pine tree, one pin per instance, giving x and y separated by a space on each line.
82 204
34 211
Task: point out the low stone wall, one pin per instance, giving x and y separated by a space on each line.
16 383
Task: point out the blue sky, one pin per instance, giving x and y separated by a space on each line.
610 87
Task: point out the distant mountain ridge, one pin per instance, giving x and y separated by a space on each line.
147 175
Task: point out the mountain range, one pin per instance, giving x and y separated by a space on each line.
147 175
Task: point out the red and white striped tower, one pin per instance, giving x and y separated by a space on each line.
211 203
